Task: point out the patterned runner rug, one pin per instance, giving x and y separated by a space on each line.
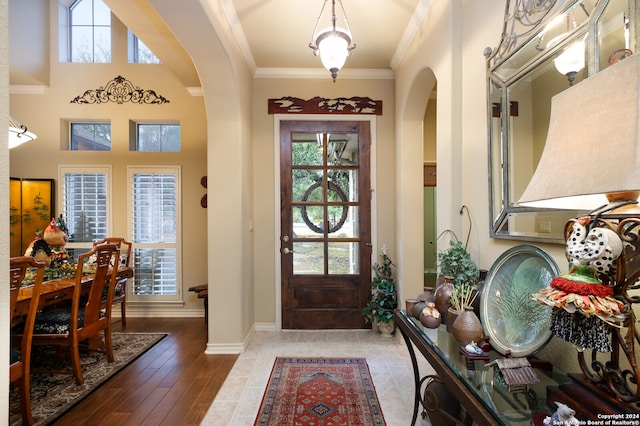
320 392
52 395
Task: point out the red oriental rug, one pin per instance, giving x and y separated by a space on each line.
320 392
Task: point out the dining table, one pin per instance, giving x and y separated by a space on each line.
58 290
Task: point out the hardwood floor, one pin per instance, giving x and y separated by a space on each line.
173 383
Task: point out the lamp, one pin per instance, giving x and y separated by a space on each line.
591 161
18 133
332 44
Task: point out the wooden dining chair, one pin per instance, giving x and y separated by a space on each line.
20 359
120 294
87 317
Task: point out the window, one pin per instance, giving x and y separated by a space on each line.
90 136
89 32
155 223
85 205
163 137
139 53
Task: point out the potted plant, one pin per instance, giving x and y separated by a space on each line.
384 297
459 273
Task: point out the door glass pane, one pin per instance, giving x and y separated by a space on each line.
343 258
306 149
306 185
342 149
308 221
343 185
343 226
308 258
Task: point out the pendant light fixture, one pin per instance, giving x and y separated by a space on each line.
18 133
332 44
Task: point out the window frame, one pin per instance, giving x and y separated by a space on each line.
70 31
134 128
97 169
176 299
133 50
89 122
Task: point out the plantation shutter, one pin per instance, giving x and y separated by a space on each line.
154 226
85 206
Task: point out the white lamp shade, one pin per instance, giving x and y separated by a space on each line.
334 48
572 59
593 143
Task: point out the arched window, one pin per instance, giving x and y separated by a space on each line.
89 31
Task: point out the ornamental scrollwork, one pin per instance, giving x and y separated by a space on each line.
319 105
119 90
523 18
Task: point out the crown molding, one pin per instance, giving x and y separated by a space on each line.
321 73
195 91
410 32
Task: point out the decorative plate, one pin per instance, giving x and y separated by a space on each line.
510 317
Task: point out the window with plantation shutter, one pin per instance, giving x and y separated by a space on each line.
85 205
154 218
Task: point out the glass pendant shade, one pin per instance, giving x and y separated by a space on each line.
571 60
333 46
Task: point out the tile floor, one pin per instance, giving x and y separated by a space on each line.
239 399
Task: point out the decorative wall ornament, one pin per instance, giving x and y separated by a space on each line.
318 105
119 90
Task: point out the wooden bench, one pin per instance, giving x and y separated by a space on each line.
203 293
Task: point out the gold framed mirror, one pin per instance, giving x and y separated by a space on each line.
545 47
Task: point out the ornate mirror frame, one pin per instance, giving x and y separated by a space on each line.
522 79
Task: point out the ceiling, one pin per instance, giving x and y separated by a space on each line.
273 35
277 33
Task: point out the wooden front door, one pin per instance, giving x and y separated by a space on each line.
325 213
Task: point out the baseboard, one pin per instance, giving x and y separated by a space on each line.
159 312
265 326
230 348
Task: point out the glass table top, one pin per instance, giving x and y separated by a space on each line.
487 383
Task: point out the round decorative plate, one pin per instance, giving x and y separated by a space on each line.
510 317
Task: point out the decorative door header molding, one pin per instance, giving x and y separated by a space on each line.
119 90
318 105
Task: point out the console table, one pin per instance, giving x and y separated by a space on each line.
462 392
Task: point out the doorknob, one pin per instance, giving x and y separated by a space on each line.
286 251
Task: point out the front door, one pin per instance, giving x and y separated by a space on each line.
325 223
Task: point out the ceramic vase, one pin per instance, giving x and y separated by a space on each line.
443 297
423 298
410 305
452 316
427 295
467 327
430 317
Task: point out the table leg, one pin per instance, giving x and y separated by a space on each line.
416 377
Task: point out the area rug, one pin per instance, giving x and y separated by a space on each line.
52 395
320 392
